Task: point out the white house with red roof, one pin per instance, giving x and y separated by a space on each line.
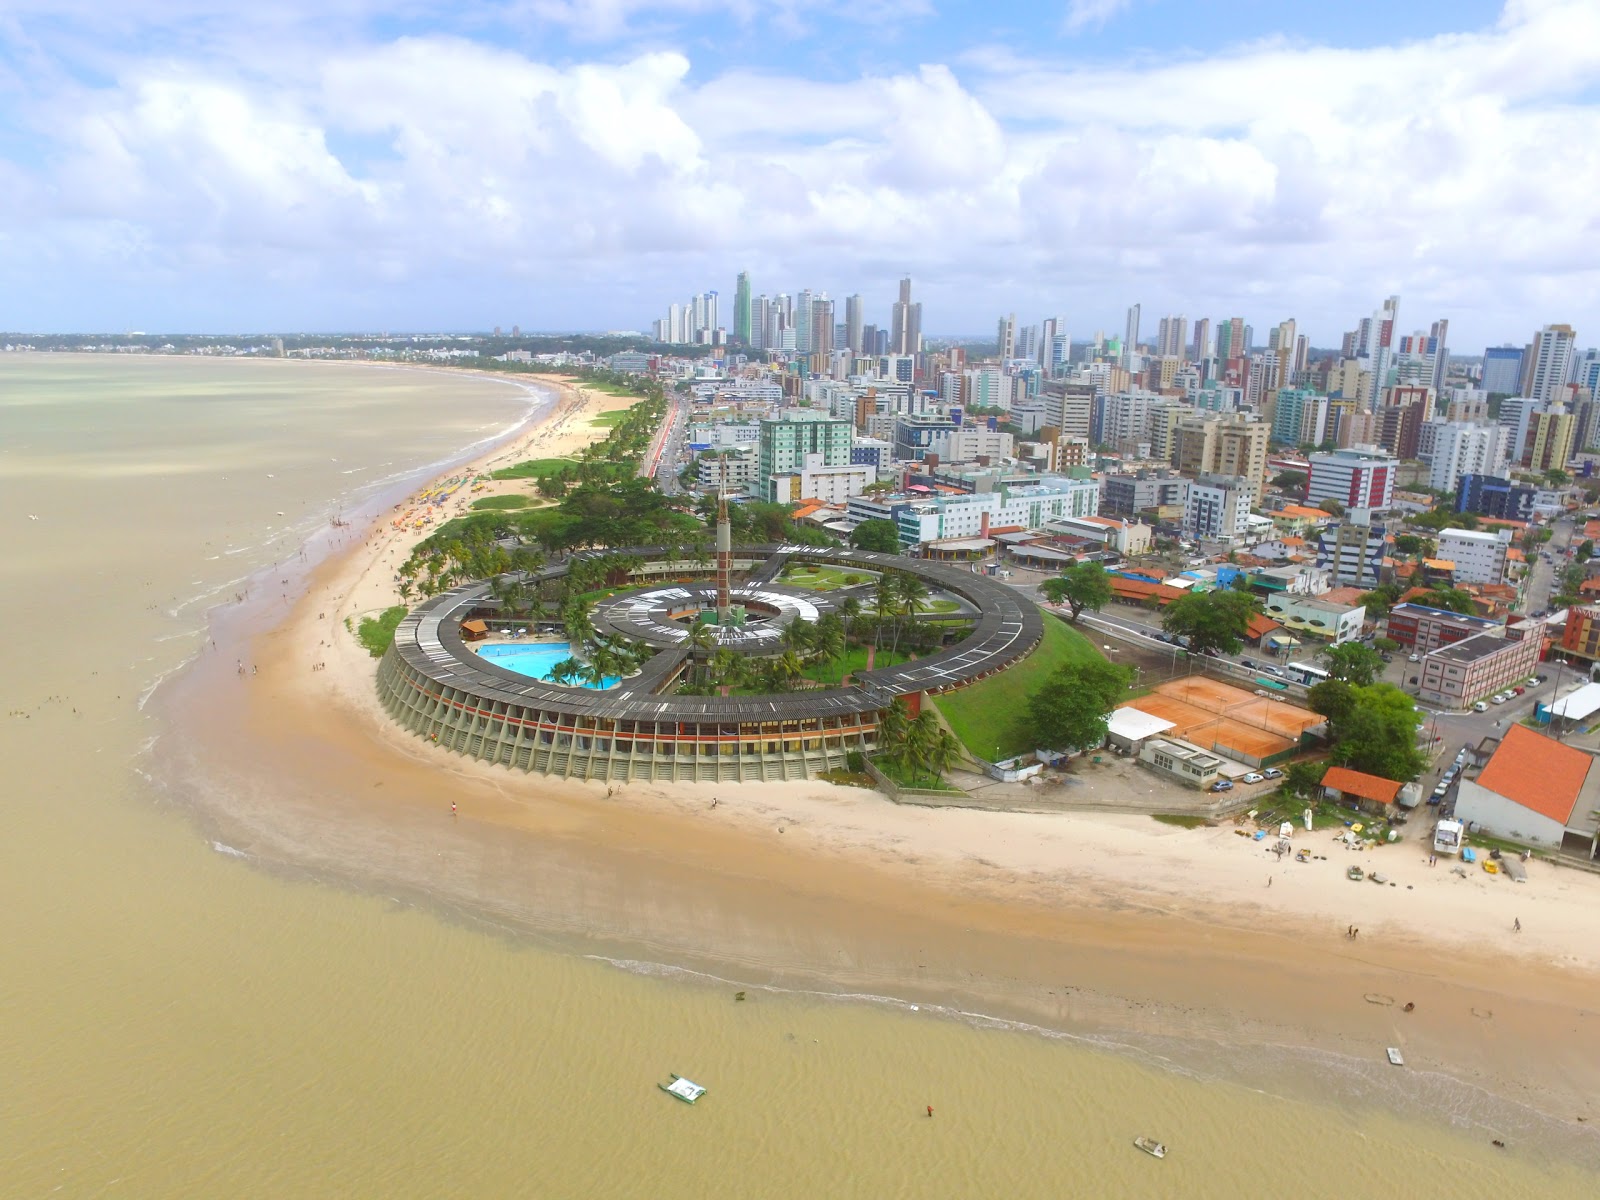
1534 790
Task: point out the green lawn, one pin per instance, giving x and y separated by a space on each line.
939 606
502 502
825 579
854 659
533 468
376 633
994 712
610 389
608 420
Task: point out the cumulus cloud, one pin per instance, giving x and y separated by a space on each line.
436 178
1091 14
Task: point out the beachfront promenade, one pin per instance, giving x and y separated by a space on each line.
432 683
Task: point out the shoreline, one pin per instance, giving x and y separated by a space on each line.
1036 920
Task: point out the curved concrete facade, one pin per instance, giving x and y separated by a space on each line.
434 685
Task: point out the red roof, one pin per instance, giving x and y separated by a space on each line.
1359 783
1342 595
1537 772
1261 625
1140 589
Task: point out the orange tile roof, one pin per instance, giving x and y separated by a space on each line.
1591 529
1590 586
1293 541
1359 783
1304 512
1261 625
1342 595
1439 564
1140 589
1537 772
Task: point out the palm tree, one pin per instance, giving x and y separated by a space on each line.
944 753
567 671
827 640
849 610
796 636
921 735
883 599
787 667
892 728
603 665
702 641
912 595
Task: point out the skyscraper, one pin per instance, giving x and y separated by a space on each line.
1230 341
1006 334
1170 339
905 323
802 321
821 325
1502 370
1552 356
1441 362
1202 340
853 328
1130 339
741 308
758 323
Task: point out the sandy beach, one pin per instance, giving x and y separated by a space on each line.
1102 923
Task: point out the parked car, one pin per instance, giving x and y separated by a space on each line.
1388 658
1480 706
1273 773
1248 662
1253 777
1535 681
1278 671
1540 678
1222 785
1517 691
1497 699
1413 658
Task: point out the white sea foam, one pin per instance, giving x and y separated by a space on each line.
224 848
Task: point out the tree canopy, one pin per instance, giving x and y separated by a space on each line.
876 535
1353 662
1217 621
1290 481
1082 585
1378 734
1070 709
1451 599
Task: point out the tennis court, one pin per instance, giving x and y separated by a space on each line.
1227 719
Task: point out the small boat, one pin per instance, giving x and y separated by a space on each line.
1395 1057
1151 1147
682 1089
1356 873
1379 877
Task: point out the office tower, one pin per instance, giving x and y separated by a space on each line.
1202 340
1172 334
758 322
1130 339
821 325
1501 370
905 323
742 308
1552 355
853 329
1007 336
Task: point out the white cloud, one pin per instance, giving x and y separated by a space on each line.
1091 14
418 174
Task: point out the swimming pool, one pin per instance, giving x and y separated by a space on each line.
535 659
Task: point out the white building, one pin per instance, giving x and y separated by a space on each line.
970 442
1461 449
1533 790
1552 358
813 481
1359 478
1129 538
1218 508
1478 557
736 471
1315 617
1030 506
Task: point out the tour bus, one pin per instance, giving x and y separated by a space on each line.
1302 672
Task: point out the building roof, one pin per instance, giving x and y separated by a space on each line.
1537 772
1261 625
1578 705
1302 512
1359 783
1130 723
1343 595
1439 564
1143 589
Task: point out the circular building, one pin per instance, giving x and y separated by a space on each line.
435 684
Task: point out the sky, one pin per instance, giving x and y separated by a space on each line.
210 166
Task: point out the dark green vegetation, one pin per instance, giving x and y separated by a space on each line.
377 633
991 716
1069 709
1181 820
534 468
879 536
1210 620
1080 586
1372 728
1453 599
1353 663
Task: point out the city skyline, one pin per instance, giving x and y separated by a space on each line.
183 165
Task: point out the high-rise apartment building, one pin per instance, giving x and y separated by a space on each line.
742 308
802 321
1202 340
1551 434
788 446
1552 356
1006 334
854 330
1461 448
759 311
1231 342
1355 478
1229 445
1172 337
905 323
1130 340
821 325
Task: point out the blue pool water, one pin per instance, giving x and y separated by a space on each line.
534 659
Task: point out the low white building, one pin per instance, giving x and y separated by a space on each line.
1312 616
735 470
831 485
1129 538
1534 790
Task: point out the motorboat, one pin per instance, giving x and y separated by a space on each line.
682 1089
1395 1057
1151 1147
1355 873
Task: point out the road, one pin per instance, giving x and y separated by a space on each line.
665 461
1542 575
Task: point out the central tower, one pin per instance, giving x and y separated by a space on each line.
724 547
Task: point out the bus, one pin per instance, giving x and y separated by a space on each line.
1276 685
1303 672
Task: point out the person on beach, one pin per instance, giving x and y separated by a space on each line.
1516 926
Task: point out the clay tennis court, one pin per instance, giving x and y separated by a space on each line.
1218 716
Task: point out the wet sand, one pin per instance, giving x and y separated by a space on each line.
1102 926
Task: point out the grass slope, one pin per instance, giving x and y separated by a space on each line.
533 468
377 633
501 503
994 711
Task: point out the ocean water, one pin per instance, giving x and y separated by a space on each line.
178 1018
